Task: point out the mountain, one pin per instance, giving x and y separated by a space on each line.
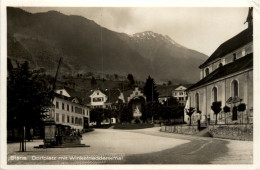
43 38
167 57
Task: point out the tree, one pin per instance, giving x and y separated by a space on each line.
116 76
28 98
150 90
126 114
151 111
180 112
172 101
97 115
241 108
110 113
116 108
216 108
167 113
226 110
93 82
189 112
131 80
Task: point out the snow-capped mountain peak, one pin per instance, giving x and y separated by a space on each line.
151 36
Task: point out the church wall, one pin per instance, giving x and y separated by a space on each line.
245 92
250 94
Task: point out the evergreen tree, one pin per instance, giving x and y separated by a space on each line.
131 80
126 114
28 98
216 107
93 82
150 90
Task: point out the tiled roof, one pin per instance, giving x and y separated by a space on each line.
87 99
165 91
112 95
127 94
68 98
230 45
238 65
72 93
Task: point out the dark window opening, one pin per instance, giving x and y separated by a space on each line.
234 56
207 71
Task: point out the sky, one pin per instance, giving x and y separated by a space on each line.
199 28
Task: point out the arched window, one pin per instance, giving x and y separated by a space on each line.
234 88
197 101
207 71
215 94
220 65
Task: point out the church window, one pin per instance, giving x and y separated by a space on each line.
234 88
215 94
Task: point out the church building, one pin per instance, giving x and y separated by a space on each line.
226 76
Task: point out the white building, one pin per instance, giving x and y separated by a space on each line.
103 99
69 110
180 94
98 99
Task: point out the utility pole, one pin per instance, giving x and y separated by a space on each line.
56 76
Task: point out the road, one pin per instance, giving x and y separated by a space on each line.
143 146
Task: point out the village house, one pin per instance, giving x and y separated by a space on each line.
106 98
69 110
180 94
176 91
103 99
226 76
165 92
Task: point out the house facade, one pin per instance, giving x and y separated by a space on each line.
227 77
103 99
180 94
69 111
98 99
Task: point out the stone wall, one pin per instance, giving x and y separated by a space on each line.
181 129
239 132
235 131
